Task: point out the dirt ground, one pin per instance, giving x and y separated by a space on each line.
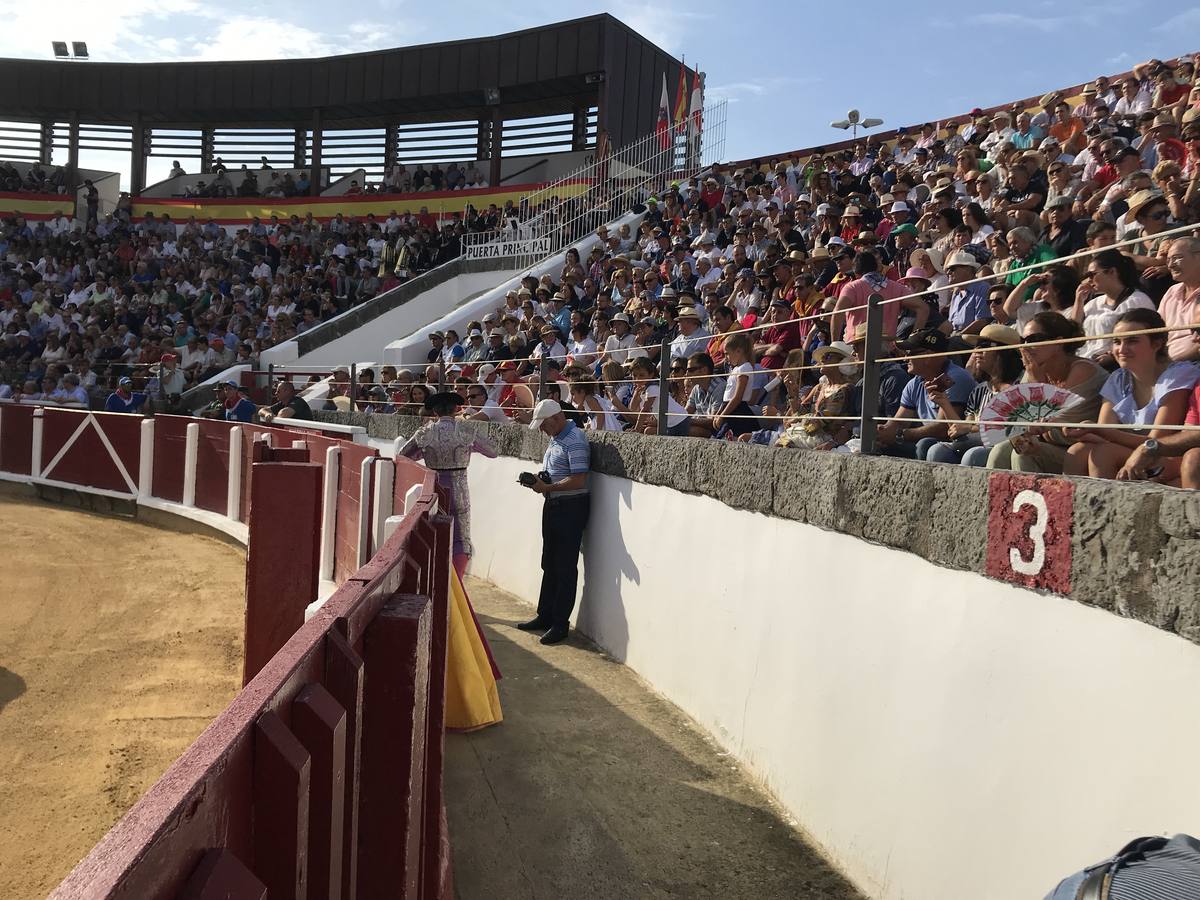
119 643
594 787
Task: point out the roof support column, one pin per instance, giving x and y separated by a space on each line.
137 154
299 148
314 177
72 152
207 142
579 128
497 147
390 133
46 143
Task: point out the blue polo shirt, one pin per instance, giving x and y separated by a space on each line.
915 398
568 454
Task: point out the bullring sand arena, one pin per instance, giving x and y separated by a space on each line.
119 643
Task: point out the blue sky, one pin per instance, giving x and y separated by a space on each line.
787 71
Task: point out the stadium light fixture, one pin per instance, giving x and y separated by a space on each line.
855 120
60 49
79 49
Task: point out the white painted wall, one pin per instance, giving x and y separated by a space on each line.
941 735
368 342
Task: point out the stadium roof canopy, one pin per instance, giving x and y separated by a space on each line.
596 61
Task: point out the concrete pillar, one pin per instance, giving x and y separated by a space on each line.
381 502
191 448
146 460
233 490
333 459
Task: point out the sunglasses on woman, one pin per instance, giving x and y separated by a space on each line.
1035 338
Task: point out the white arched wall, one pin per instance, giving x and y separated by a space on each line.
941 735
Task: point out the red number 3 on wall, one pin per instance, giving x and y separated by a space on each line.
1029 531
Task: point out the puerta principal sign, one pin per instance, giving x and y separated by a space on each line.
496 249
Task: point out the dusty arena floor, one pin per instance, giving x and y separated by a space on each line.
119 643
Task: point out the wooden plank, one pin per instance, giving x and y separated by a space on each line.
220 875
282 770
344 681
319 723
395 699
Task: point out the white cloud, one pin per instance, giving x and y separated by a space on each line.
1188 20
758 87
666 24
113 30
1017 20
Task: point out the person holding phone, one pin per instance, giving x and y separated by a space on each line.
938 385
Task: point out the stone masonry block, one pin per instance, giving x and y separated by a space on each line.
739 475
1175 601
806 484
886 501
618 454
958 517
1179 515
668 461
1117 539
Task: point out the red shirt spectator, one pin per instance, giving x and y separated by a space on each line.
783 336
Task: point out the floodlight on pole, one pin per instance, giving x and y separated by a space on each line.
79 49
60 49
855 121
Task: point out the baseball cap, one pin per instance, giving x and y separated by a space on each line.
543 411
125 382
927 340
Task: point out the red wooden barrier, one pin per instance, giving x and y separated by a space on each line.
170 436
98 450
323 777
212 465
282 557
16 438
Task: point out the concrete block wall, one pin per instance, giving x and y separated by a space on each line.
1134 548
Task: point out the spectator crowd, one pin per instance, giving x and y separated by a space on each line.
169 304
750 283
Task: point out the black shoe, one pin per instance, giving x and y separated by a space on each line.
556 635
538 624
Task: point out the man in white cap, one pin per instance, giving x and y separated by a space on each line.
563 483
616 347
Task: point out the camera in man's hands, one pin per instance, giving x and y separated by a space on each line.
528 479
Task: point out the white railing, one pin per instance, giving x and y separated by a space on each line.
557 215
